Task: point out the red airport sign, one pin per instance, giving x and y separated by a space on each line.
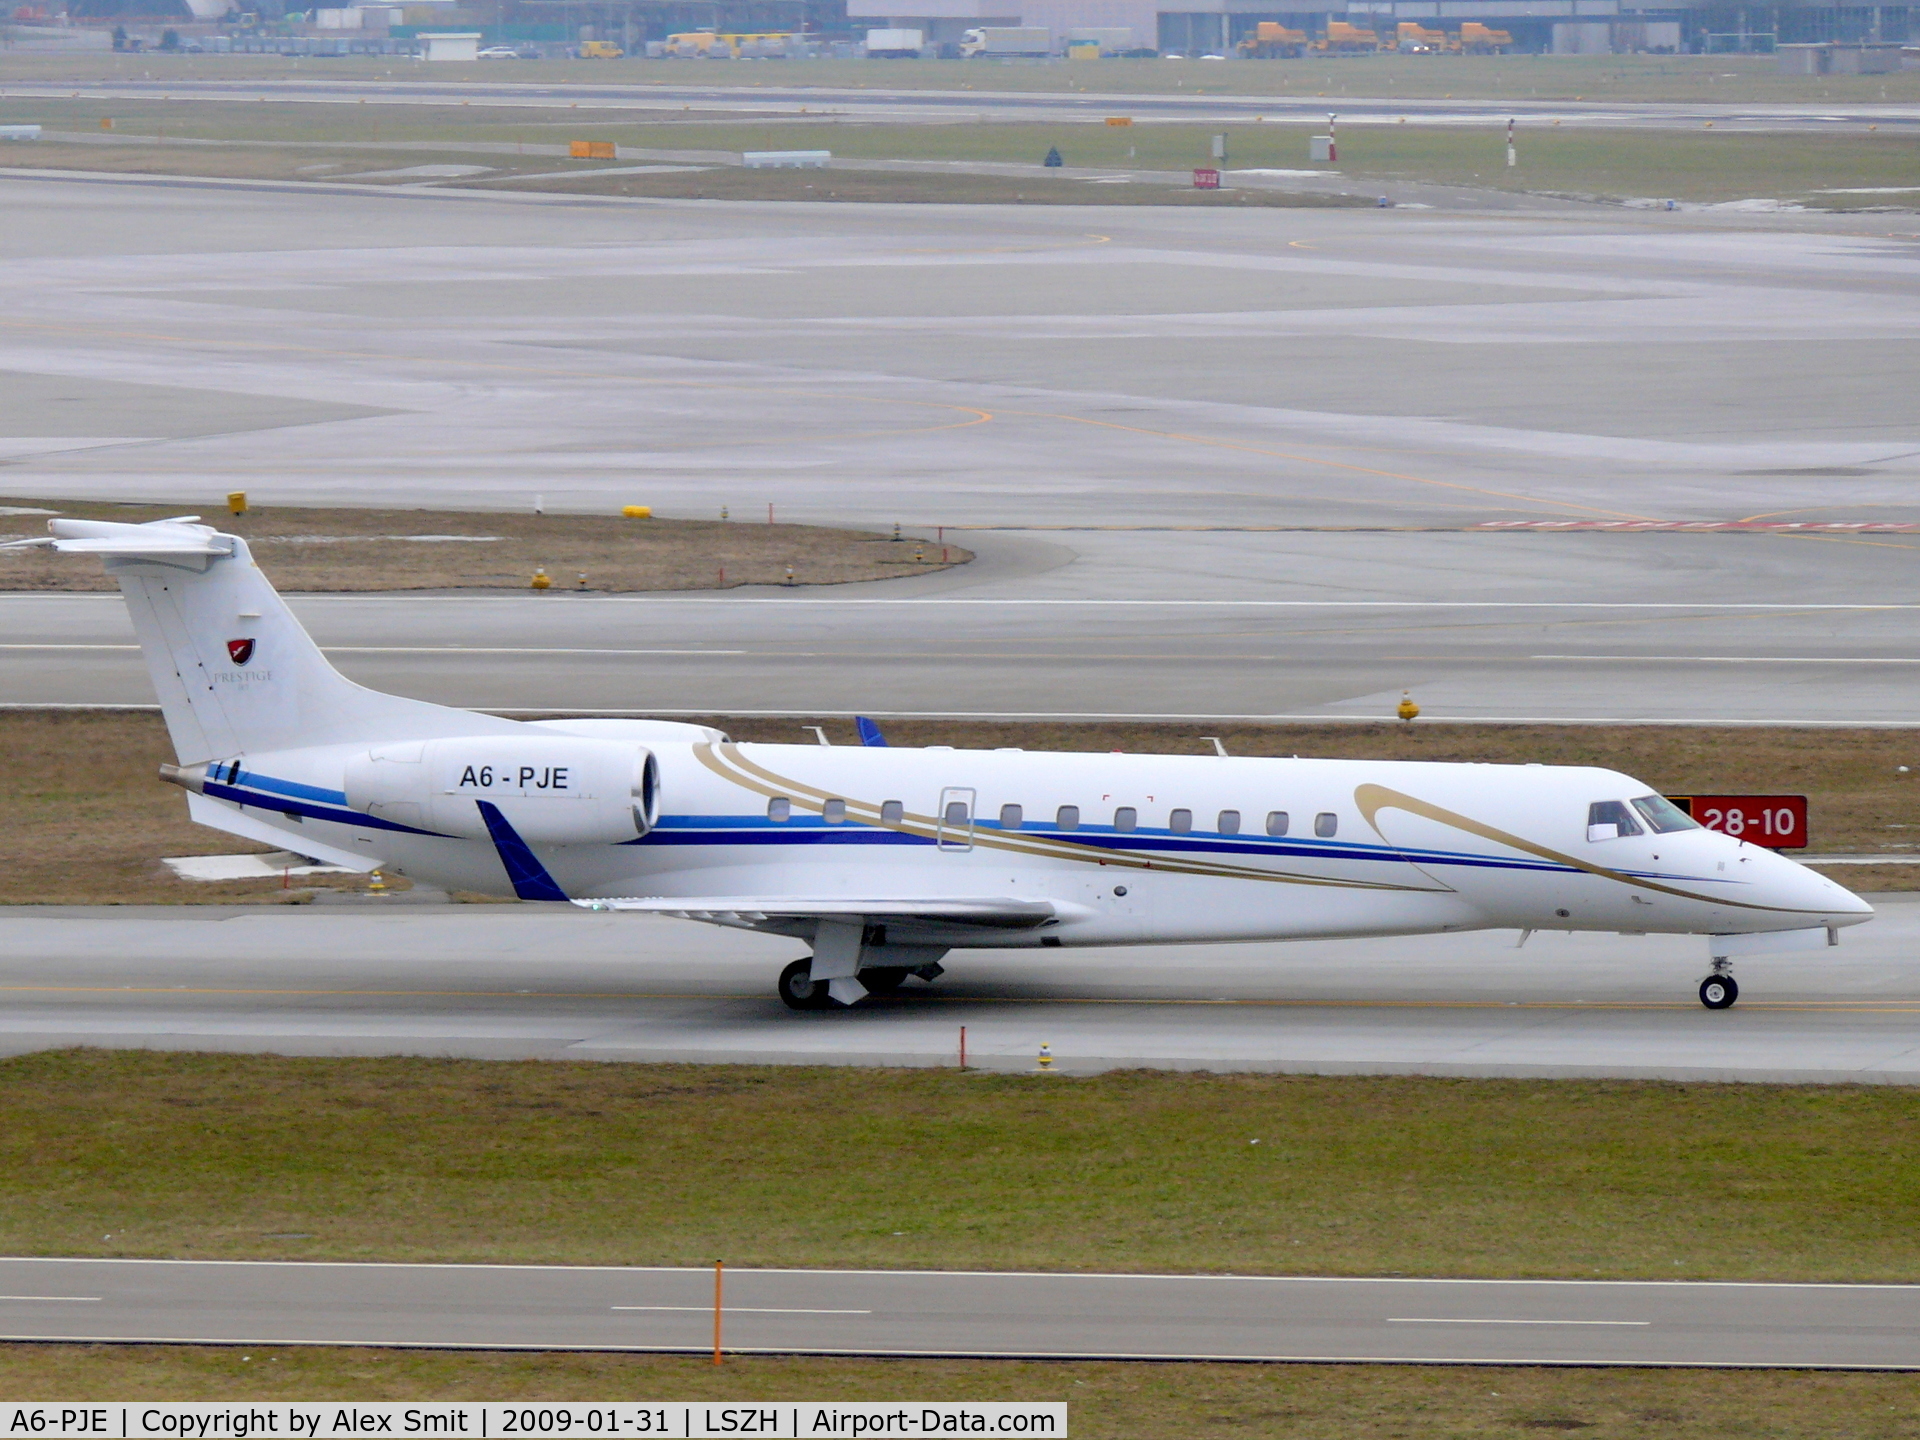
1206 179
1779 822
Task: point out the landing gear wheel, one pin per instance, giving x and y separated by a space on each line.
799 991
1717 992
883 979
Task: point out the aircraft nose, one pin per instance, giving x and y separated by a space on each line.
1801 888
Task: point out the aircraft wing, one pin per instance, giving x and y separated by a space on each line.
993 914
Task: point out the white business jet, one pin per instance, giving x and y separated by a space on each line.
885 859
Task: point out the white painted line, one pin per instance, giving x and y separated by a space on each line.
1323 717
75 1299
742 1309
504 650
1113 604
1417 1320
384 597
1750 659
1090 1276
423 649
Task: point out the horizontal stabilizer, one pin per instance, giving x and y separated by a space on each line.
113 537
993 914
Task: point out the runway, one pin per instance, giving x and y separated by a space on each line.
908 1313
1051 656
932 106
508 982
1296 424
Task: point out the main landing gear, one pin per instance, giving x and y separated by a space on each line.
1719 990
801 991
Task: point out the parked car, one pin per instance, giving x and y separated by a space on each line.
499 52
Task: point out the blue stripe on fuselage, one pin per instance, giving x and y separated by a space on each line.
261 800
292 788
755 830
290 797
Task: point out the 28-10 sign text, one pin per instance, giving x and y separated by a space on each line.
1778 822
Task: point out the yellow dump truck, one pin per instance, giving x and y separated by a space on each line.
1344 39
726 44
1477 39
696 44
1273 42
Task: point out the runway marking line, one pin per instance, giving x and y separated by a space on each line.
737 1309
1741 659
74 1299
1808 607
1419 1320
1835 1007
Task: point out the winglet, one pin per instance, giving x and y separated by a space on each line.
869 732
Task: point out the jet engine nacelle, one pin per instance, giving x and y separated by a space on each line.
553 789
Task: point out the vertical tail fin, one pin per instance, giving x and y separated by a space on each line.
235 672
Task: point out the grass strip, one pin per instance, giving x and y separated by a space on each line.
1107 1401
84 820
321 549
317 142
135 1153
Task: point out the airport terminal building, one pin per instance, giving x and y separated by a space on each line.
1563 27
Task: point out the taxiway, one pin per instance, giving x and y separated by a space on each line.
398 978
912 1313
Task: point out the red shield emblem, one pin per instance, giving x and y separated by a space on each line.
240 650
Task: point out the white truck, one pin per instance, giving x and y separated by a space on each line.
1000 41
894 44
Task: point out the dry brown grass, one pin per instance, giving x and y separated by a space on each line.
913 186
317 550
84 817
316 162
83 820
1107 1401
214 161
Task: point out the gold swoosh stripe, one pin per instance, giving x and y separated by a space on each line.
1372 799
726 761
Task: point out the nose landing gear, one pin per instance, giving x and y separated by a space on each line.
1719 990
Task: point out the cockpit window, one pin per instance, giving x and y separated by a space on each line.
1663 816
1610 820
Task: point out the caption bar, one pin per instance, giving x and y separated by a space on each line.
499 1420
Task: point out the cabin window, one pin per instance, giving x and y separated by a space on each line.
780 808
1276 822
1125 818
956 812
1228 823
1068 818
1180 822
892 811
1326 824
834 812
1011 816
1663 816
1611 820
